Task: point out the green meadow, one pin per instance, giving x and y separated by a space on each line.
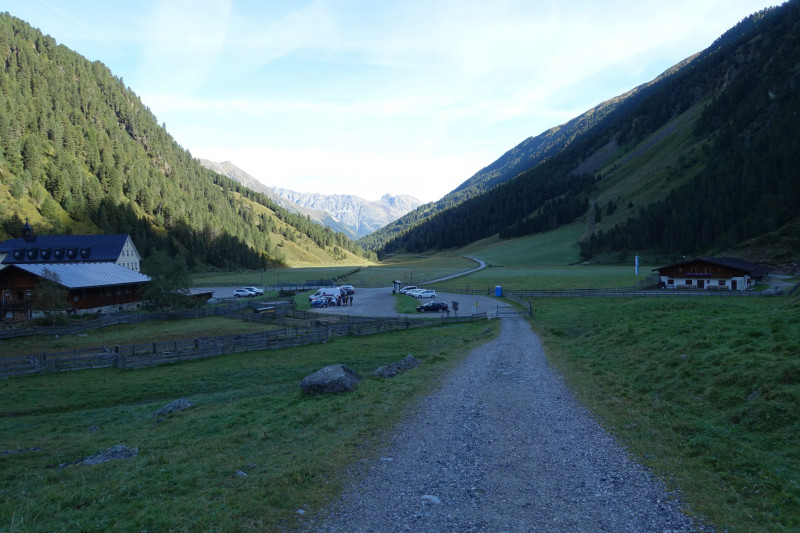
250 453
704 391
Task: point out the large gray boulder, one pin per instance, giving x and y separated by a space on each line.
334 378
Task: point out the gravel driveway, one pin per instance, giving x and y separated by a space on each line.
502 446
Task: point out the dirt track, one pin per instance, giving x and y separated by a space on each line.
501 447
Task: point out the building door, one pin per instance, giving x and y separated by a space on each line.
701 284
733 285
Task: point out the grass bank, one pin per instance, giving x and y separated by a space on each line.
703 390
124 334
250 453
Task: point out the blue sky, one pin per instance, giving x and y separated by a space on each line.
374 97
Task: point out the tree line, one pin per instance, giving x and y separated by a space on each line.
747 138
78 148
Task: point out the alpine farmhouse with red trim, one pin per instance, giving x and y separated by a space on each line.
712 273
98 272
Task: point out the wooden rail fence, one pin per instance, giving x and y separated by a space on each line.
300 328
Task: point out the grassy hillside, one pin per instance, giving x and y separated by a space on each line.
703 160
81 153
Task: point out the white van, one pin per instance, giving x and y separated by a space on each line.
325 291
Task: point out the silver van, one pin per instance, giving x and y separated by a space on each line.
325 291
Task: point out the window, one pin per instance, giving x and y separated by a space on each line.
721 283
688 282
670 282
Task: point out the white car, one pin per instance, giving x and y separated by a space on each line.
407 288
243 293
426 293
254 290
413 292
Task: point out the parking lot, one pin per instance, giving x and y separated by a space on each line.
380 302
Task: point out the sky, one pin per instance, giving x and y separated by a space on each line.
376 97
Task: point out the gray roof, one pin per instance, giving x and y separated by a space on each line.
83 275
63 248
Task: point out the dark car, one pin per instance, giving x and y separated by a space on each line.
325 301
433 306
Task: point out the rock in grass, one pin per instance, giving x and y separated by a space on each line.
118 451
334 378
391 370
177 405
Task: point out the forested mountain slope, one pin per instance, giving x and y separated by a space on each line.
526 155
80 152
703 159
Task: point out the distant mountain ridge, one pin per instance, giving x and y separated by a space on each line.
359 215
352 215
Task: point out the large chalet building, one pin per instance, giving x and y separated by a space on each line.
98 272
711 273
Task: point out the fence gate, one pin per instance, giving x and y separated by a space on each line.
505 310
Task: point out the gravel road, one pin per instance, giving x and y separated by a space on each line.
502 446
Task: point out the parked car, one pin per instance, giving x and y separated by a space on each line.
243 293
433 306
414 292
321 302
325 291
255 290
426 293
349 289
407 288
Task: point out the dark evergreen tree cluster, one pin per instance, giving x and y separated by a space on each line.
74 139
750 184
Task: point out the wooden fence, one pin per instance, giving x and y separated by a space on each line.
300 328
665 293
240 310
